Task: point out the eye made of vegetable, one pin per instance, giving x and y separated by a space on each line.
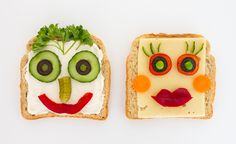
84 66
45 66
160 64
188 64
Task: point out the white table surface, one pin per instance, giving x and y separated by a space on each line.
117 23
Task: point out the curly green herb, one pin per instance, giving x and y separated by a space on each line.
59 36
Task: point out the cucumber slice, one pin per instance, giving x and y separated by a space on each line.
45 66
84 66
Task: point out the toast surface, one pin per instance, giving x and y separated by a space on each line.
106 90
132 70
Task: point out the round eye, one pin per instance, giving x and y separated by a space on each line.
45 66
160 64
84 66
188 64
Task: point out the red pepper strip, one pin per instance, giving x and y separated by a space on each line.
66 108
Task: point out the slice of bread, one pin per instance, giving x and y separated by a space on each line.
132 70
24 88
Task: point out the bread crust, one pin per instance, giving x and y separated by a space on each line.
24 88
132 70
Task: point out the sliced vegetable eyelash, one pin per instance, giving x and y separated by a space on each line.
186 46
193 48
152 50
200 49
158 48
194 45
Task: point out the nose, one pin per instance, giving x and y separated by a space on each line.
65 88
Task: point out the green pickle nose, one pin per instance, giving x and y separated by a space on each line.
65 88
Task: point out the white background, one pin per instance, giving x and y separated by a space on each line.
117 23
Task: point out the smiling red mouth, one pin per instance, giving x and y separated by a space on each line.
172 99
66 108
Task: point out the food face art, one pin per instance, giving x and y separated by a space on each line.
171 77
64 72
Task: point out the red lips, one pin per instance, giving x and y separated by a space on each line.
172 99
66 108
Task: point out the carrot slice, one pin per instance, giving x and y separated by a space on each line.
180 60
141 83
167 64
201 83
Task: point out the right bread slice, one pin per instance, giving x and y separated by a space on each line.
135 111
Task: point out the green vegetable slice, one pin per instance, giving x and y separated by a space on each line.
45 66
84 66
159 64
188 64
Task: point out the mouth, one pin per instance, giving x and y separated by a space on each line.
176 98
66 108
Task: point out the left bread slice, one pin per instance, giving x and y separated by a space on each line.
105 69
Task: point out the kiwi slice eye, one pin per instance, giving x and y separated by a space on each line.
188 64
84 66
45 66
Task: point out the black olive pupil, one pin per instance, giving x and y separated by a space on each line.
83 67
188 64
159 64
44 67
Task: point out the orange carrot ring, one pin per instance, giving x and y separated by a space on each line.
165 59
141 83
201 83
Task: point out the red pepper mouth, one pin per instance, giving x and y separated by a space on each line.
176 98
66 108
